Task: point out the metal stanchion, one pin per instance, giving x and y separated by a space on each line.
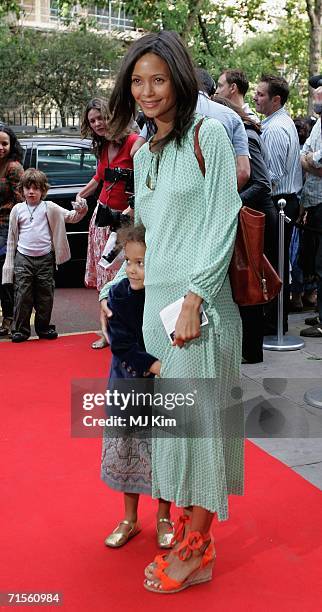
281 342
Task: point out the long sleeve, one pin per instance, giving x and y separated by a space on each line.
74 216
8 268
125 346
313 145
258 187
220 215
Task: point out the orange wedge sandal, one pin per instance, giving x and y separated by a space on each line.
194 542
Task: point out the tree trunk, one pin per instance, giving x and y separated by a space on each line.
194 7
314 10
62 113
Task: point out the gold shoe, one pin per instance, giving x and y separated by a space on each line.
117 538
100 343
164 539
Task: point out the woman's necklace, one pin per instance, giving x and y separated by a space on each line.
32 212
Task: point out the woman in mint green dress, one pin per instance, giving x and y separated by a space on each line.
191 223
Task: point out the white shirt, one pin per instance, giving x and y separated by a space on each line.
246 108
34 233
312 190
282 141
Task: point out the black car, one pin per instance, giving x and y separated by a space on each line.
69 164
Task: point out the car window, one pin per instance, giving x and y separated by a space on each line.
66 164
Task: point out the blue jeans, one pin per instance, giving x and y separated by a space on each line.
298 285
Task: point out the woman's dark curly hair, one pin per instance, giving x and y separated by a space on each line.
16 151
168 46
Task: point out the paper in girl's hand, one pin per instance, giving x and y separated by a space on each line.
169 316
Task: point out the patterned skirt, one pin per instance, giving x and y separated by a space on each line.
126 464
95 275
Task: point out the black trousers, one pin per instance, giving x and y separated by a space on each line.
33 288
314 219
253 316
6 294
292 211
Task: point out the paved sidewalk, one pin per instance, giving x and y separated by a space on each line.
287 426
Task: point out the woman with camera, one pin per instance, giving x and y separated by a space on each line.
190 221
114 170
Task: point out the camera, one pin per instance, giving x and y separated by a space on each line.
113 175
114 218
105 216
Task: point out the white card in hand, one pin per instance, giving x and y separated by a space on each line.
169 316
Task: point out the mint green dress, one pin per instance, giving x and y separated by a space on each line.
191 223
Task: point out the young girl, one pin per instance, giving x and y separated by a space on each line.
36 242
126 461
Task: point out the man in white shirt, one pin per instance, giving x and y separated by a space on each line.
281 138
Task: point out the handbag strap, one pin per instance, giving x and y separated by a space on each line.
197 149
202 166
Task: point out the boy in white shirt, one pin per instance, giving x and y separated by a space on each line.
37 241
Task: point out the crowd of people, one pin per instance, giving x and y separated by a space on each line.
179 246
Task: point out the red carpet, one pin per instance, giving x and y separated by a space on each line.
56 511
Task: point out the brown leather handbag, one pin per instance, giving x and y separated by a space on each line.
253 279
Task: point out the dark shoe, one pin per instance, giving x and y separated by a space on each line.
296 304
51 334
312 320
19 337
5 329
310 300
312 332
252 360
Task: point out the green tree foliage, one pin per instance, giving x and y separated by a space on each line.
284 51
10 6
61 69
204 26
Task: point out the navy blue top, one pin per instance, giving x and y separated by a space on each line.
130 358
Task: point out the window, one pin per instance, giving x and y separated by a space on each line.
66 165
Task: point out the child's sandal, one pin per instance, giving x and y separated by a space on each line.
117 538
